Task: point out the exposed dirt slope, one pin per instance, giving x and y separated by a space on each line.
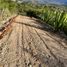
28 44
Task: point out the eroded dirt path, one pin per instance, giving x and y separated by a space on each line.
28 45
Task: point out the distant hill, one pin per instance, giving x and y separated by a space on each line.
59 2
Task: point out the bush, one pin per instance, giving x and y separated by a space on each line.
31 13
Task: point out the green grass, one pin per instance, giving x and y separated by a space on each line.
51 15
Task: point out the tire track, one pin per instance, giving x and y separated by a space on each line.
53 45
40 55
32 59
22 47
26 26
60 64
34 43
26 46
17 51
46 46
64 46
34 51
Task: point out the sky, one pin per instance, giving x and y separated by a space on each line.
50 1
54 1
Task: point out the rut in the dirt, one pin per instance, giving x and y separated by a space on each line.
29 44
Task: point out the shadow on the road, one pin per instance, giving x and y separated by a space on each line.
45 27
39 26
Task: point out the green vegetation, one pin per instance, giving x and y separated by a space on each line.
56 18
53 15
7 7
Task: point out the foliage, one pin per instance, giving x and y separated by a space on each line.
52 15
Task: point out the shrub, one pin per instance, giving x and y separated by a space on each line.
31 13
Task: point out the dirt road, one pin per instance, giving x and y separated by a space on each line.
28 44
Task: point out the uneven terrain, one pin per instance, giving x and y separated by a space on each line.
29 44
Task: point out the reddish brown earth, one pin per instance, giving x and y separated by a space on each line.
29 44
